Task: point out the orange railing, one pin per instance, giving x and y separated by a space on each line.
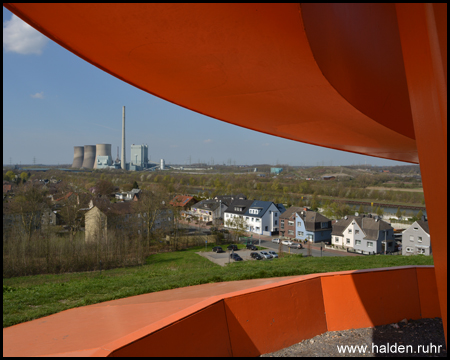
254 320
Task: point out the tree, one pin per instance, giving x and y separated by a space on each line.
104 187
315 203
379 211
419 215
135 185
29 203
10 175
151 207
398 213
360 210
238 225
24 176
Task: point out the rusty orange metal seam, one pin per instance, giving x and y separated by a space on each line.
228 328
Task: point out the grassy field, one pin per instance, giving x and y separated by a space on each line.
32 297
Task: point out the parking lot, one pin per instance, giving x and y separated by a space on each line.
224 258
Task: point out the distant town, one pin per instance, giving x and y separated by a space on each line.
353 210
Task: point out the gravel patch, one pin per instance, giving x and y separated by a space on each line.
414 335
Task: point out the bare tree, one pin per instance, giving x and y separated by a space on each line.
155 216
238 226
29 203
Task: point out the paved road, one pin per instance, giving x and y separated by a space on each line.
266 241
315 253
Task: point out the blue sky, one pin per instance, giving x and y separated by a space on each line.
53 101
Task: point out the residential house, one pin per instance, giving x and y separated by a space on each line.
228 199
209 210
103 216
416 239
183 202
259 217
364 234
301 223
50 217
6 187
236 211
132 195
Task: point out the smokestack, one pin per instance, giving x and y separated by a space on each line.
123 164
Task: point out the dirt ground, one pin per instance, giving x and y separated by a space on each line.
382 341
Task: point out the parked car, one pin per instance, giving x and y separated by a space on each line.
220 251
276 240
255 256
287 242
235 257
265 254
251 247
296 246
273 253
232 247
216 248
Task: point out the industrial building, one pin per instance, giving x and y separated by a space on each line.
139 157
99 156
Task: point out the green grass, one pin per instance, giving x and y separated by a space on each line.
32 297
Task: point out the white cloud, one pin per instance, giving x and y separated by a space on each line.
207 141
38 95
21 38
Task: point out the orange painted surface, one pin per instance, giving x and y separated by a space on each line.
242 318
113 322
423 33
246 64
203 333
264 321
428 294
364 78
365 299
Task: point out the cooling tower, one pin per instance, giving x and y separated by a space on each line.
102 150
89 156
78 156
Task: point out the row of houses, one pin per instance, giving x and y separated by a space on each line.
359 233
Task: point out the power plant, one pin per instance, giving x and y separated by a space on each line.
103 156
89 157
78 156
99 156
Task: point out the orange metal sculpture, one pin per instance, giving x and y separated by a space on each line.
239 318
364 78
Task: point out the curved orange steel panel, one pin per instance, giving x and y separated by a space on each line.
423 34
246 64
358 49
340 83
242 318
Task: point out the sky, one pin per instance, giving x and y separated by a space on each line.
53 101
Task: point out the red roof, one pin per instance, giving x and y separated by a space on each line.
65 197
181 200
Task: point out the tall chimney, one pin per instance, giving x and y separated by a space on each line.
123 164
